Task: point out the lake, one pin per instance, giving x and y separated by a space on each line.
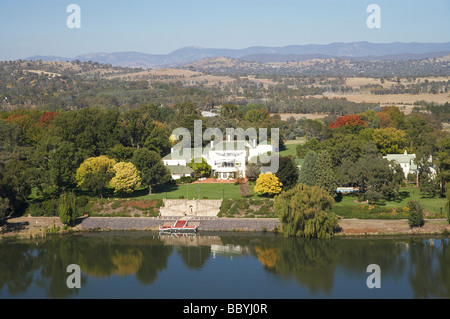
223 265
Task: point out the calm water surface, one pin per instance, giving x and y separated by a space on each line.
223 265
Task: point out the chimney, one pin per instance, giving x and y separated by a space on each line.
254 143
212 144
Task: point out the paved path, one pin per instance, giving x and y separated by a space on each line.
349 226
152 223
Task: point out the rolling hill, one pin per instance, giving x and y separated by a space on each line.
186 55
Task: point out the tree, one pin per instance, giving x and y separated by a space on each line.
228 110
315 129
151 166
397 117
287 172
268 183
120 153
126 178
158 139
306 212
256 116
302 149
376 177
344 146
244 190
447 205
371 118
308 171
202 169
95 173
252 171
443 163
15 186
62 163
325 176
415 218
389 140
67 208
348 123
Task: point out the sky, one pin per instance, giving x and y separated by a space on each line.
39 27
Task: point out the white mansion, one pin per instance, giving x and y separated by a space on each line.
228 159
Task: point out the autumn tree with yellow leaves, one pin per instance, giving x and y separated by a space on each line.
126 179
95 173
268 183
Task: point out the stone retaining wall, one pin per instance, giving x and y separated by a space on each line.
152 223
184 207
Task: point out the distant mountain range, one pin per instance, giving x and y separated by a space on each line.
363 51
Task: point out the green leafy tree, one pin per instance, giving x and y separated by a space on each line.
305 211
120 153
15 186
302 149
67 208
308 171
376 177
389 140
287 172
63 161
415 218
158 139
443 163
228 110
447 205
151 166
325 176
95 173
202 169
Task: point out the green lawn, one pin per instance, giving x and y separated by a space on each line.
346 207
291 147
209 190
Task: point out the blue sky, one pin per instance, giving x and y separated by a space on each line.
38 27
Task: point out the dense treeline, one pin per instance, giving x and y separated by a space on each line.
52 91
353 147
333 67
442 111
43 150
56 152
425 87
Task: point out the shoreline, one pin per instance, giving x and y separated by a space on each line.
36 227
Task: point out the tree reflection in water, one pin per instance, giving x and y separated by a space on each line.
420 264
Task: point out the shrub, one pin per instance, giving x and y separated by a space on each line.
415 218
82 201
44 208
67 208
185 179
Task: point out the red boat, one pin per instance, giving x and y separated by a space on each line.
180 225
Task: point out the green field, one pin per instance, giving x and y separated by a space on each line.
291 147
348 206
194 190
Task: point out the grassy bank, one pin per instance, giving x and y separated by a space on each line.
196 190
349 207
